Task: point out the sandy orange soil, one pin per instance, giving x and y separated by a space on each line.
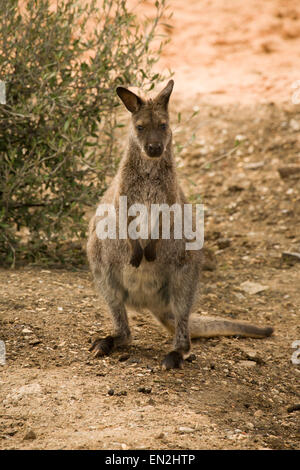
231 51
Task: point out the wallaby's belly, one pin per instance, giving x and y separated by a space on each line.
146 287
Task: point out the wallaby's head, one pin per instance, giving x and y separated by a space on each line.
150 120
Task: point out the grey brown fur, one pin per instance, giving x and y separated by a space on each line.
158 275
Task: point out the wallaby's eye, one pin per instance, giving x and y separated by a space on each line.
140 128
163 126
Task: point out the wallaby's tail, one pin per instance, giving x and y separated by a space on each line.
206 327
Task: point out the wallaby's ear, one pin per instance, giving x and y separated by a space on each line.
130 99
164 96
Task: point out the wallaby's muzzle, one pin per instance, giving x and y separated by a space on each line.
154 150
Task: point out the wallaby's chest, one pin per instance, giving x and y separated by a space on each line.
148 187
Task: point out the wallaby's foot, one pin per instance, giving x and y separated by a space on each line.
137 255
173 360
102 346
150 251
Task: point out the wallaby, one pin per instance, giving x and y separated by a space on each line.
158 275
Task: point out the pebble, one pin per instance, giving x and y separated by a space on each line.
29 389
191 358
34 341
26 331
145 389
290 257
254 165
252 287
239 296
184 429
294 125
223 243
124 358
30 435
247 363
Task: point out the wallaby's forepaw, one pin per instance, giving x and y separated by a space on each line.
150 252
173 360
102 347
137 256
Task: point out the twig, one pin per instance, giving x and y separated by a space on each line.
225 155
294 408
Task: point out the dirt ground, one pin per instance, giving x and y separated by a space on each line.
234 393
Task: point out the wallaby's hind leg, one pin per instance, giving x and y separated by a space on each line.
177 323
181 289
182 342
121 336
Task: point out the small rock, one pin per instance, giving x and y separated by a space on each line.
254 165
289 171
290 257
239 296
30 435
26 331
134 360
240 137
111 392
191 358
34 342
29 389
250 354
253 356
185 430
247 363
252 287
223 243
124 358
145 389
293 408
294 125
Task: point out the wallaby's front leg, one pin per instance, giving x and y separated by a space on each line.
136 253
150 250
121 335
135 248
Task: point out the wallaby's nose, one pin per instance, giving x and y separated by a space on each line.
154 149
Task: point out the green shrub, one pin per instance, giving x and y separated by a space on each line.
58 127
